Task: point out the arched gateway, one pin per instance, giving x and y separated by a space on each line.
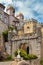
27 47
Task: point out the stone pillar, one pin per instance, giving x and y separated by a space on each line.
13 48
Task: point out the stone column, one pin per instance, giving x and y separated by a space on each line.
14 47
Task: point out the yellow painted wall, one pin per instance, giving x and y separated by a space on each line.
42 30
26 29
20 32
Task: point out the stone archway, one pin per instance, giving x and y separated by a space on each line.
27 47
22 46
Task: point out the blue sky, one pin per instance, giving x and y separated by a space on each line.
29 8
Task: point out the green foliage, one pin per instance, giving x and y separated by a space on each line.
5 35
9 57
31 56
11 28
41 62
16 53
25 55
22 54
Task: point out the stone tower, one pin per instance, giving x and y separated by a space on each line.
10 10
20 16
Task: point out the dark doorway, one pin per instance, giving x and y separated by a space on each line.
28 50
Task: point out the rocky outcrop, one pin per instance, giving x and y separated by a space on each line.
23 62
3 55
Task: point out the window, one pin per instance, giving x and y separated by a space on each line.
28 27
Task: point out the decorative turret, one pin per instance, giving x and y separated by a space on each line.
33 20
20 16
10 10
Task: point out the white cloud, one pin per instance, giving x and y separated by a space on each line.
18 4
27 7
7 1
22 7
38 7
0 1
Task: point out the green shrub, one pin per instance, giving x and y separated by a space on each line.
41 62
31 56
16 52
22 54
9 57
25 55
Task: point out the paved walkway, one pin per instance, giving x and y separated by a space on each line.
6 63
14 63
